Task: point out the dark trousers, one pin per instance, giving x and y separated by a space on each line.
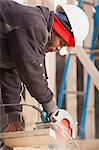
10 88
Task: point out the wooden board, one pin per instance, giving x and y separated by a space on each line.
71 98
88 64
90 115
88 144
40 139
33 138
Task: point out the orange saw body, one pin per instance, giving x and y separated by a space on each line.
64 124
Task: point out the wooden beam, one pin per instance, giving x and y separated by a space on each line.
89 144
95 51
97 58
88 64
34 138
71 1
41 135
71 98
51 72
41 139
88 51
90 116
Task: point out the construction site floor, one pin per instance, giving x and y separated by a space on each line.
89 144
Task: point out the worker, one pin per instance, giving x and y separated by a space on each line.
26 35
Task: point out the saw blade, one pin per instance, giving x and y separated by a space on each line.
61 131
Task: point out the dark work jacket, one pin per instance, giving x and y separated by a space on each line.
24 34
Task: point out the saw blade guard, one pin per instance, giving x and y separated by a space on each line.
64 119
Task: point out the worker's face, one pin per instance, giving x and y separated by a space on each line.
55 44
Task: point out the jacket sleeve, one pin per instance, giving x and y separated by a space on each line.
26 50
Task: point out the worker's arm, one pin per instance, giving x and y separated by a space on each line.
25 45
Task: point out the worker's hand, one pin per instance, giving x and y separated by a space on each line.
50 107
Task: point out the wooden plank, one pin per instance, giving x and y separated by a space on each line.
51 72
33 2
71 1
33 138
95 51
71 98
89 144
88 10
88 51
90 116
40 138
88 64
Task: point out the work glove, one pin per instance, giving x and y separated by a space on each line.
48 109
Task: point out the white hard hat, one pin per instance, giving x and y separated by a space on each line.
18 1
78 21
